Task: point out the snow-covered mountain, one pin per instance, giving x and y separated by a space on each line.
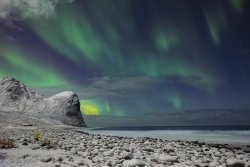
16 97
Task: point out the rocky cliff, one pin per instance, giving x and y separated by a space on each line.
16 97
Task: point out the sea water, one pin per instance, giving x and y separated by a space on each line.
236 135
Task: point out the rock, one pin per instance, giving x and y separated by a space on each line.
79 162
23 140
125 149
128 155
124 163
74 151
47 147
229 154
235 163
117 162
166 150
107 153
35 147
149 149
246 159
213 164
25 156
181 165
109 163
164 157
46 159
190 162
146 142
131 149
199 161
25 143
15 96
43 144
221 166
65 107
217 154
27 125
248 164
58 158
136 162
156 155
138 153
241 156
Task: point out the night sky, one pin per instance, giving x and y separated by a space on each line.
130 57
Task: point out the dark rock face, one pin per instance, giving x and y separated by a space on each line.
15 96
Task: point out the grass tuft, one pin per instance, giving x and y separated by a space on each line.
6 144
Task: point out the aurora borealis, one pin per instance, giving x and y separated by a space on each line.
130 57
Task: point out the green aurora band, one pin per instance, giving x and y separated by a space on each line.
175 100
32 73
96 37
97 107
217 19
237 6
102 40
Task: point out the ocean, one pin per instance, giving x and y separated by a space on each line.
234 135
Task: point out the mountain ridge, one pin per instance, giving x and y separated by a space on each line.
64 107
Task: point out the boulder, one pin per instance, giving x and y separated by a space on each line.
165 157
136 162
235 163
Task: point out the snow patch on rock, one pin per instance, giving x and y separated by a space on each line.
16 97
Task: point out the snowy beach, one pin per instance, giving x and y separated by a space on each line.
59 146
124 83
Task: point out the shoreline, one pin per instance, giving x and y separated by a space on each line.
58 146
200 138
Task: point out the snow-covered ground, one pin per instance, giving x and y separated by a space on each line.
59 145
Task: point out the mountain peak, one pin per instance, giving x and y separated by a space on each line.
15 96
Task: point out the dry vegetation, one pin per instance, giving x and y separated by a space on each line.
6 144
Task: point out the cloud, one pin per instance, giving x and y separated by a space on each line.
12 10
5 36
181 79
120 85
126 83
18 10
109 86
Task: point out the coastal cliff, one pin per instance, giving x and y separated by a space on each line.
16 97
